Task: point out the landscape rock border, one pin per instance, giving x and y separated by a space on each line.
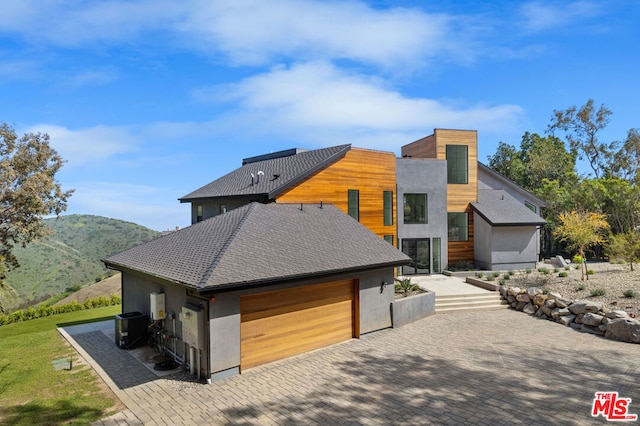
583 315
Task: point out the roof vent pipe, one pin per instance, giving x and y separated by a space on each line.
260 173
301 205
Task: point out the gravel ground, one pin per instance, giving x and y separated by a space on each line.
614 279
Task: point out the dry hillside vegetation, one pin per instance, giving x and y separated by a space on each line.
613 284
105 288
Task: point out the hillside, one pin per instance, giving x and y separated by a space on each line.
69 259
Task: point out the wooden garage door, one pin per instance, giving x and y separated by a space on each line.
282 323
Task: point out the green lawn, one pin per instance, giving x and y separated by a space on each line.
32 392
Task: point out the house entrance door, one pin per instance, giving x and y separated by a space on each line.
419 252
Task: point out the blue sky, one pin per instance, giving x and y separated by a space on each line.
148 100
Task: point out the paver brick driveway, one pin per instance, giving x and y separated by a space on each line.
486 368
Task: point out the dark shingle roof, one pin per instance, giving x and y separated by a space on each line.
499 208
279 175
261 243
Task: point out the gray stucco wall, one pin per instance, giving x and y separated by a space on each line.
136 292
430 177
505 247
211 208
489 180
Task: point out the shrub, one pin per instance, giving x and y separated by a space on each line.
567 268
629 294
546 291
563 275
490 277
496 274
556 270
598 292
511 273
591 272
405 286
502 282
581 287
479 274
544 271
577 259
506 277
528 270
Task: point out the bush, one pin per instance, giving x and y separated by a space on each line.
45 311
556 270
567 268
629 294
563 275
591 272
490 277
405 286
511 273
598 292
581 287
506 277
479 274
528 270
544 271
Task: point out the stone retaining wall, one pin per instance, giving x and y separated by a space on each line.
583 315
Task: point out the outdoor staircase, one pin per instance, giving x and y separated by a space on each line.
451 303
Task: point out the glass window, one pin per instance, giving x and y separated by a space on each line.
418 251
415 208
388 208
389 239
531 207
457 164
222 209
437 255
199 213
354 204
458 226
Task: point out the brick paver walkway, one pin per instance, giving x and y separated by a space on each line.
480 368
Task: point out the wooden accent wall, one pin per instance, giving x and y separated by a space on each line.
370 172
422 148
458 195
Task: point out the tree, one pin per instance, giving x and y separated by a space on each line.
28 190
625 246
581 127
580 230
626 161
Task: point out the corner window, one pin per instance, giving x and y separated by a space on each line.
415 208
199 213
388 208
354 204
458 226
457 164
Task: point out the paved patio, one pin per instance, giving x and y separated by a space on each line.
484 368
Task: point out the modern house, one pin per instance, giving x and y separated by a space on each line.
295 250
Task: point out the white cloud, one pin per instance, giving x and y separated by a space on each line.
90 145
89 78
251 32
255 32
539 16
319 101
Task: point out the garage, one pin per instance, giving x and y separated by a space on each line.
278 324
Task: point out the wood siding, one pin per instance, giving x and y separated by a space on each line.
458 195
278 324
422 148
370 172
463 250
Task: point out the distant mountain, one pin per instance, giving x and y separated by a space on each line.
69 259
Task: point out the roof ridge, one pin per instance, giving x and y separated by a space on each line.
207 274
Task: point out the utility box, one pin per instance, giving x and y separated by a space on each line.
131 329
157 306
192 326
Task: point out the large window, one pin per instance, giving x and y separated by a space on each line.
388 207
457 164
458 226
354 204
418 251
415 208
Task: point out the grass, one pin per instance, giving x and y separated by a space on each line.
598 292
32 391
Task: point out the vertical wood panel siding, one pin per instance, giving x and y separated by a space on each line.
370 172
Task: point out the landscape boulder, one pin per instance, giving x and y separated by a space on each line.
624 329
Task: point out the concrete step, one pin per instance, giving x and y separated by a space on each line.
468 302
